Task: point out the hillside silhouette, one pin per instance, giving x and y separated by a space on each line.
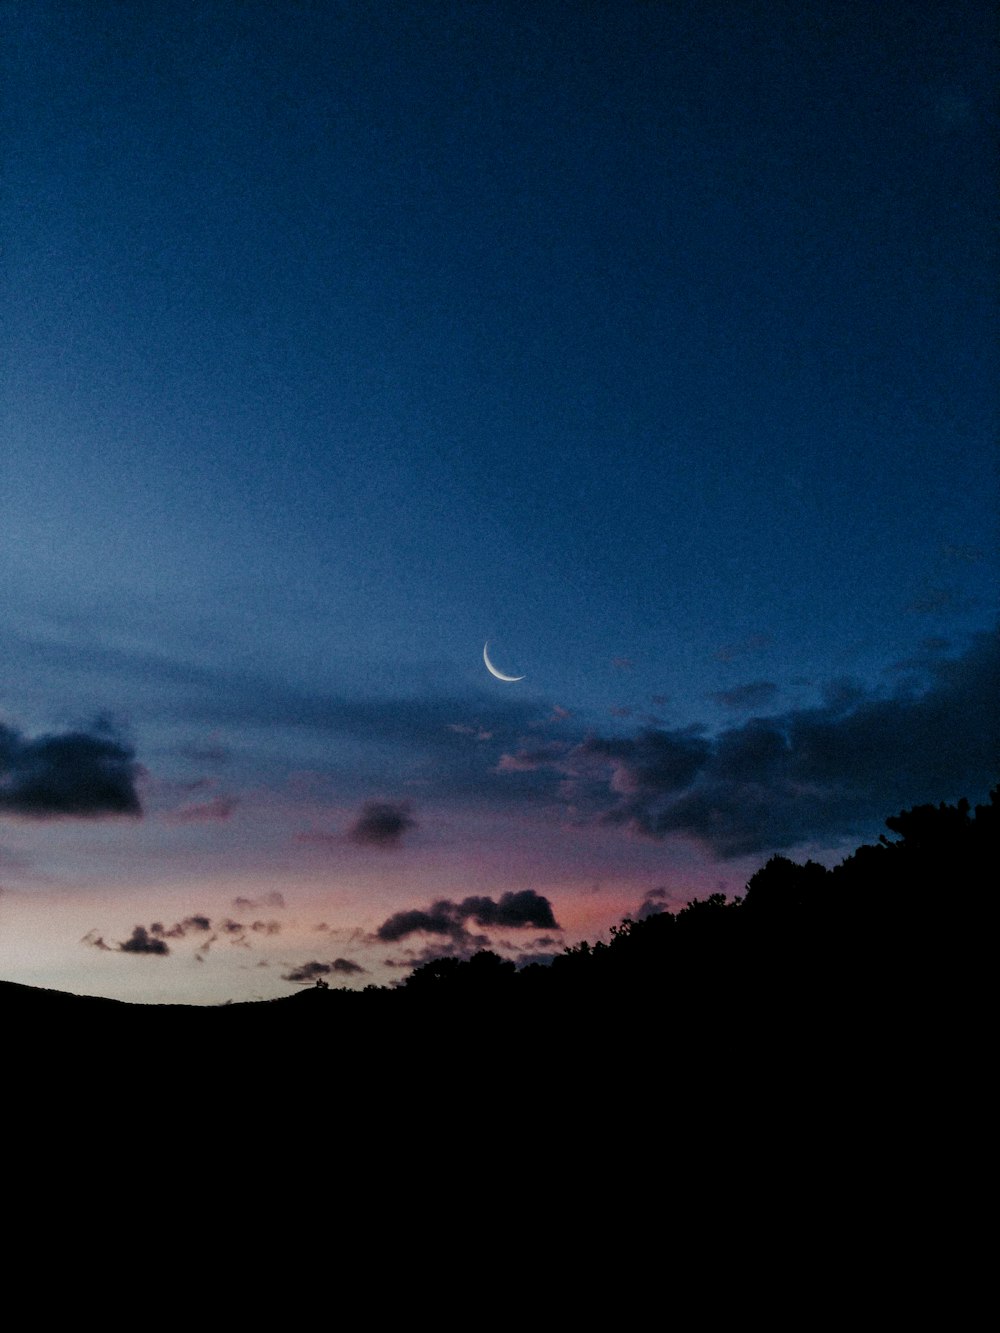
813 980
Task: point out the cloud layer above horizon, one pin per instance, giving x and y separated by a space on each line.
808 774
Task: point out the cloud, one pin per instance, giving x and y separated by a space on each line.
272 899
446 918
96 941
346 966
530 761
143 941
308 972
439 919
746 698
653 903
266 927
526 908
828 773
622 663
199 924
381 824
76 774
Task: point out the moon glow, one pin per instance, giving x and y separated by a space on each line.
492 669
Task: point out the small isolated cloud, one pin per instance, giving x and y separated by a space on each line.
745 698
75 775
560 714
309 972
622 663
273 899
620 710
96 941
144 941
382 824
653 903
446 918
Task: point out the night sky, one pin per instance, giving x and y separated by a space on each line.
654 343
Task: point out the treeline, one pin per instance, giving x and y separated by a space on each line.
817 992
898 911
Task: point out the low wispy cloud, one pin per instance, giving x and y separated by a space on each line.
76 774
272 899
152 939
476 733
530 759
196 924
308 973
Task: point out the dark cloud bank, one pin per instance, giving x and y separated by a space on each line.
808 774
75 774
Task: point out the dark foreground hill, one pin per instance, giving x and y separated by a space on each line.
816 989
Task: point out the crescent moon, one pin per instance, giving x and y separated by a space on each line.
492 669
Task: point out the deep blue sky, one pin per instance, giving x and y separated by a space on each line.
655 342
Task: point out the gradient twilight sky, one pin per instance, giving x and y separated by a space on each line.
653 342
